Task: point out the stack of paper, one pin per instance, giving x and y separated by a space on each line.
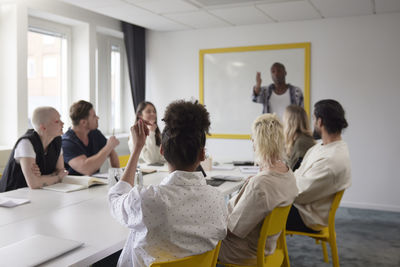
249 169
10 202
225 167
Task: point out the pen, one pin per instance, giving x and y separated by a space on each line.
116 178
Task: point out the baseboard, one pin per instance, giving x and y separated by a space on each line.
369 206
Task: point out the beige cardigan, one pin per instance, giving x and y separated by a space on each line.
324 171
301 145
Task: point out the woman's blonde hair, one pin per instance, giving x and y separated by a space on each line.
295 123
268 139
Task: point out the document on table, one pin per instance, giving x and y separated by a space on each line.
249 169
102 175
225 167
10 202
35 250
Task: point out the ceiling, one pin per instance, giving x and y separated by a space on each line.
174 15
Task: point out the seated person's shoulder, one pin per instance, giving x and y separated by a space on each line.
261 179
24 149
69 135
304 141
96 134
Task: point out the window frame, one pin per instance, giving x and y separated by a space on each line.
104 49
55 29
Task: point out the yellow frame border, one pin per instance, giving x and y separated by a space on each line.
307 71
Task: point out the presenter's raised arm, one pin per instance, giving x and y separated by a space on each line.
257 87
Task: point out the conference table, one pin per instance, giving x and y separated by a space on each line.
81 215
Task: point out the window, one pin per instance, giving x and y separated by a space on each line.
116 87
110 83
51 66
31 68
47 66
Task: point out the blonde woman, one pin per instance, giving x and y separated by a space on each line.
297 135
273 186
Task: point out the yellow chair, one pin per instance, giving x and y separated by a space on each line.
207 259
327 234
123 160
274 223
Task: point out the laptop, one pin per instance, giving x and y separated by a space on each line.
35 250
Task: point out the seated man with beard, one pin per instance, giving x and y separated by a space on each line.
325 170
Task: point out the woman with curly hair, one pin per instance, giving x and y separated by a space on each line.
272 187
297 135
181 216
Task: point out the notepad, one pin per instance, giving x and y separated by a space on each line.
72 183
225 167
102 175
10 202
249 169
35 250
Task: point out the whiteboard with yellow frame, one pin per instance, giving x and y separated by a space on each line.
227 77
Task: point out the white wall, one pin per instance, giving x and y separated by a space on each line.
353 60
84 26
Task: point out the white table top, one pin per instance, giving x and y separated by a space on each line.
82 215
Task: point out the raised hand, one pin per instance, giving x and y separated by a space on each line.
258 79
112 142
139 133
152 127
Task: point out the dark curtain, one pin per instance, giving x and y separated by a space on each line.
134 38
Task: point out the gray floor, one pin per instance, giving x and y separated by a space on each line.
364 237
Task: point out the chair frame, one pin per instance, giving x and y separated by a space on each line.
280 256
188 261
327 234
123 160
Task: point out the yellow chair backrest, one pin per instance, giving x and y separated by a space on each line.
327 234
207 259
123 160
334 207
274 223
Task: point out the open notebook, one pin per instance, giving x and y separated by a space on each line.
74 182
35 250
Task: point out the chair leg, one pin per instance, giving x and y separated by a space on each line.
334 251
325 251
286 262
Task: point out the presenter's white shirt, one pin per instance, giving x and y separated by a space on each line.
324 171
25 149
182 216
279 103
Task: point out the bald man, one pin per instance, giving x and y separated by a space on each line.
278 95
37 159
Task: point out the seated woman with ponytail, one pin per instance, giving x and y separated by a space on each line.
182 216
